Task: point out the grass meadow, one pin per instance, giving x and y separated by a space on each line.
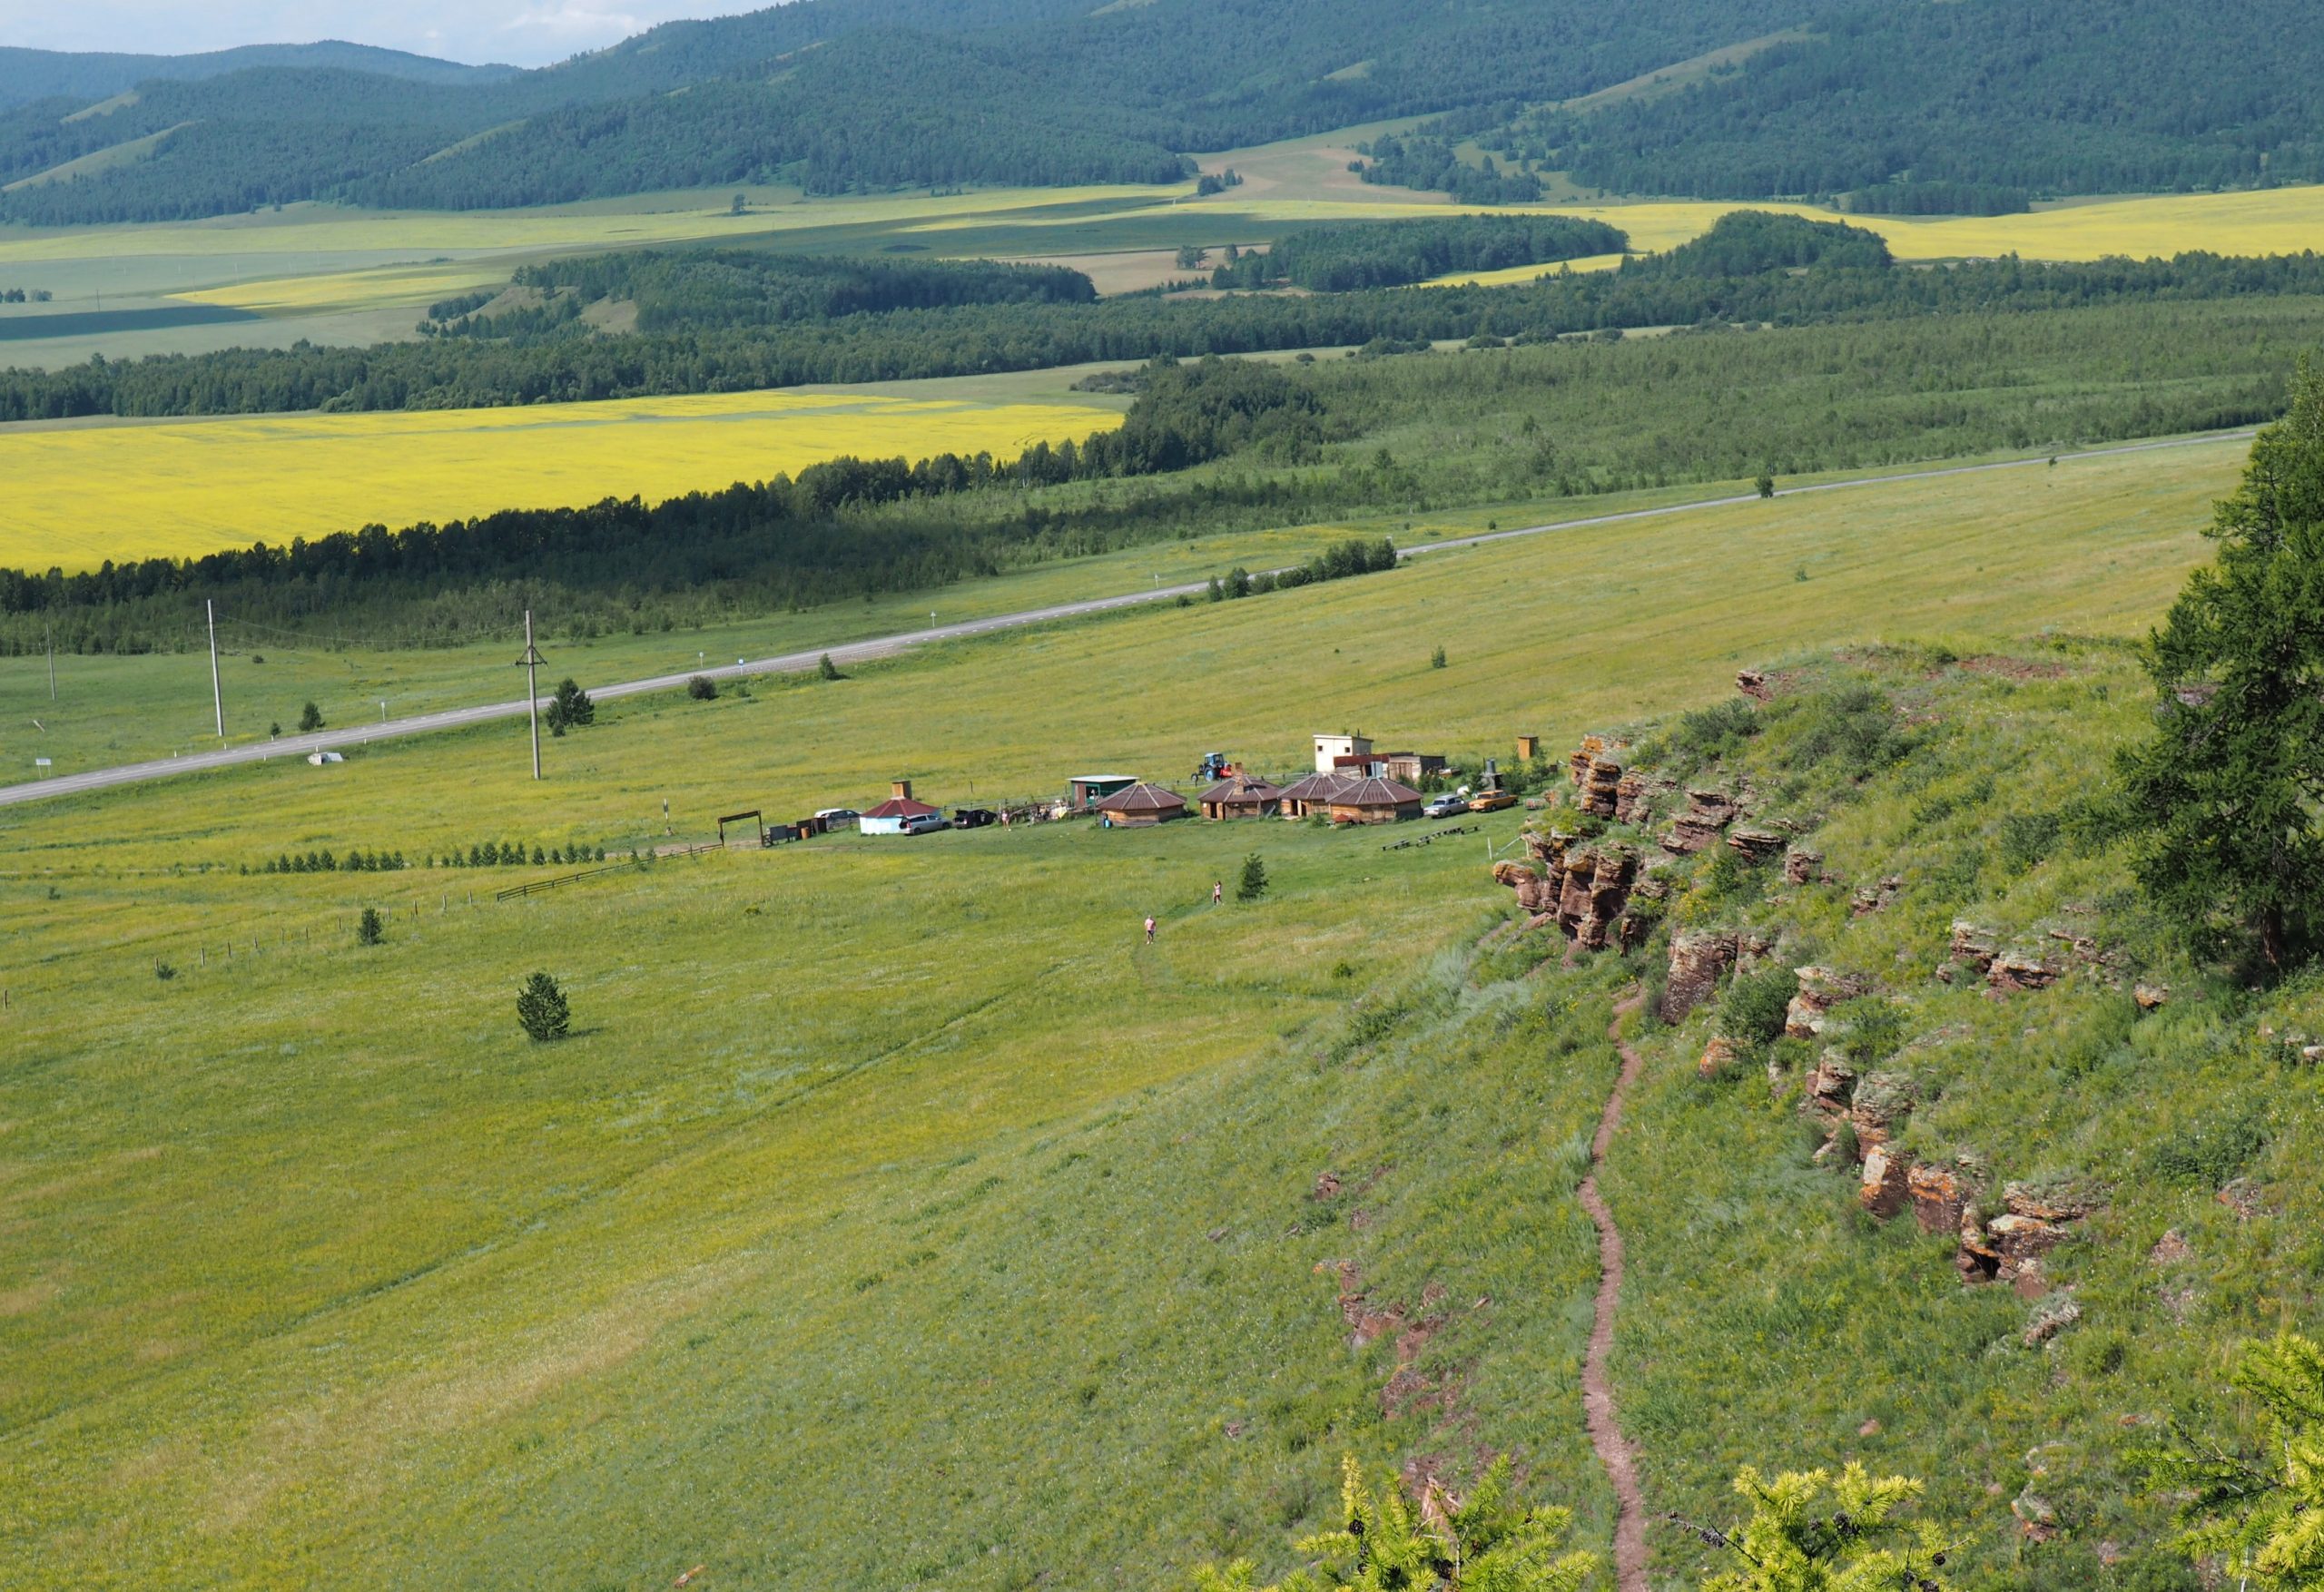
894 1216
138 489
2110 538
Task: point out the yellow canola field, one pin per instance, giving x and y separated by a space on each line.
385 287
1510 276
81 495
2276 221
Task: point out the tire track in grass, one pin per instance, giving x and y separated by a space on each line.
1614 1452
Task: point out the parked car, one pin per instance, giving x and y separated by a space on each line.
973 818
1491 801
835 819
925 823
1445 806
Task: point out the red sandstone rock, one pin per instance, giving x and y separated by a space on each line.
1718 1057
1937 1199
1885 1190
1699 958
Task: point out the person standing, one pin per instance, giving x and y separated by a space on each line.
1218 892
1149 928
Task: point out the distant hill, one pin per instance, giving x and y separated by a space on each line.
26 75
1974 104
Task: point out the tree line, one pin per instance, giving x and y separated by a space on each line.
1237 447
1388 254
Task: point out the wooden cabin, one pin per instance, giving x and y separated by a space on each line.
1243 796
1139 806
1372 800
1302 797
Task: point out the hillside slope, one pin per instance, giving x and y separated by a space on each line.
26 75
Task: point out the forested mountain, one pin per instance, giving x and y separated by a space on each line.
26 75
1974 105
846 93
2066 96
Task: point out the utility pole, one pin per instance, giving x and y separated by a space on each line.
530 662
51 628
217 693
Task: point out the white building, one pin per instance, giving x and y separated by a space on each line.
1330 749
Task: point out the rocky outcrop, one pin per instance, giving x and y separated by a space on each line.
1832 1085
1758 845
1700 958
1708 814
2014 970
1820 989
1801 866
2036 1220
1635 796
1879 1106
1886 1188
1601 787
1584 889
1753 683
1938 1199
1719 1058
1874 897
2150 996
1971 945
1577 767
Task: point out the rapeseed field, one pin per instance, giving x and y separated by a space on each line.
85 494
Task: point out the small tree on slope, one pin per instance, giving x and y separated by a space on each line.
2224 796
541 1009
1254 882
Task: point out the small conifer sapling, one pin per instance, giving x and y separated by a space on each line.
541 1008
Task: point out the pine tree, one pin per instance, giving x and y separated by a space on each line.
542 1009
2258 1508
570 707
828 670
311 717
1254 883
2220 796
369 929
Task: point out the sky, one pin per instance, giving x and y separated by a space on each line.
525 32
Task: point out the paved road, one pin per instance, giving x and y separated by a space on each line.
299 746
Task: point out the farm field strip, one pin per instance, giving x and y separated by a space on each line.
180 488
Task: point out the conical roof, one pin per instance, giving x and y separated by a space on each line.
1142 798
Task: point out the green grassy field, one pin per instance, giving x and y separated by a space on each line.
894 1216
2121 509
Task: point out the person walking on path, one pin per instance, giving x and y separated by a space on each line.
1149 928
1218 892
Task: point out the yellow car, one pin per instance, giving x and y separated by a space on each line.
1491 801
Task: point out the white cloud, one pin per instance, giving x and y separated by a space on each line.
571 21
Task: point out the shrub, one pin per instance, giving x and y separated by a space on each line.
370 928
2026 838
541 1009
827 670
1436 659
2211 1152
311 717
703 688
1709 733
1753 1007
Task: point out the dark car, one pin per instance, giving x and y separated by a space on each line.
973 818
